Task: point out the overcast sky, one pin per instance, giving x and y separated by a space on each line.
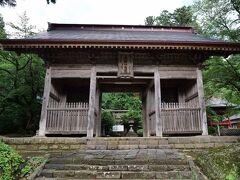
89 11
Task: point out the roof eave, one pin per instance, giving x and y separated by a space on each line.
9 44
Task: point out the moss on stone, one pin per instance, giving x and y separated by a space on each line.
220 163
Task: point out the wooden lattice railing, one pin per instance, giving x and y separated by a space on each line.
180 117
177 118
67 118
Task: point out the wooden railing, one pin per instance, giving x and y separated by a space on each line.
180 118
67 118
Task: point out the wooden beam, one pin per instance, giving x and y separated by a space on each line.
157 96
56 98
92 96
46 95
202 102
70 73
191 97
178 74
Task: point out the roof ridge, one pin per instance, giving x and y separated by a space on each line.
57 26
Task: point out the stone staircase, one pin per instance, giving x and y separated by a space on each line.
118 164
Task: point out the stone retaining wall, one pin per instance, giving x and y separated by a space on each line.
43 145
59 145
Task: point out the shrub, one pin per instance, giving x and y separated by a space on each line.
140 132
220 163
10 161
31 164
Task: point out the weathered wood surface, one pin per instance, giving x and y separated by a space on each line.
46 96
180 118
92 96
178 74
67 118
202 102
157 96
177 118
71 73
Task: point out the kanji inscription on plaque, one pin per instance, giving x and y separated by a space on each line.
125 65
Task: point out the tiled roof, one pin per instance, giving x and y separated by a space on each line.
122 37
121 33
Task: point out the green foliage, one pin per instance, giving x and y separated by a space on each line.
31 165
133 115
21 82
221 163
122 101
149 20
3 34
107 120
10 3
23 28
13 166
180 17
222 78
21 86
140 132
10 161
219 18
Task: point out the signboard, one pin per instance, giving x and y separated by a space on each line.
118 128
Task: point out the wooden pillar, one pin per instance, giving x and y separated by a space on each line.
144 114
46 95
202 102
98 119
157 96
92 95
148 109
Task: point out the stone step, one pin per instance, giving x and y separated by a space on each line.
83 174
44 178
105 162
118 167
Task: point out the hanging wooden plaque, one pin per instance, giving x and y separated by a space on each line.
125 65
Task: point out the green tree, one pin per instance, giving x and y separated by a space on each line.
3 34
23 28
183 16
222 78
149 21
8 3
180 17
165 19
219 18
21 86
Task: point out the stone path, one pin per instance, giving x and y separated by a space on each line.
118 164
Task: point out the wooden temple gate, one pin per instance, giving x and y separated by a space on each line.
82 61
164 112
